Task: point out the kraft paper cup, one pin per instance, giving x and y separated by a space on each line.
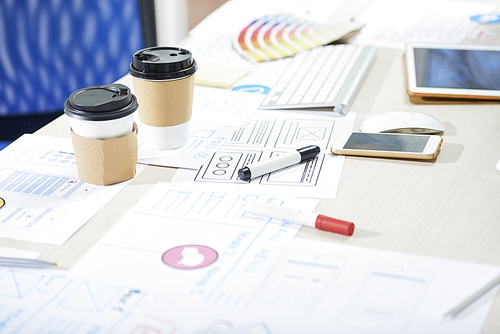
103 133
163 79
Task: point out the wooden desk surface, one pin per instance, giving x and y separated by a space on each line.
447 208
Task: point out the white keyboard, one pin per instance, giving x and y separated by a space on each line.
328 76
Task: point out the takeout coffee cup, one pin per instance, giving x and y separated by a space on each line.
103 133
101 112
163 79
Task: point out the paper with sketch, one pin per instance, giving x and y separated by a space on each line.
192 243
394 23
233 15
45 201
312 287
320 287
266 135
51 301
177 241
215 112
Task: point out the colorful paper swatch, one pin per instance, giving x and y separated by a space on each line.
278 36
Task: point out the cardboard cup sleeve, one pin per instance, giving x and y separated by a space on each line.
105 162
164 103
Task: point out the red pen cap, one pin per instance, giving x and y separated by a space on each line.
334 225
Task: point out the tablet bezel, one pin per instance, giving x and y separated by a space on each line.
414 90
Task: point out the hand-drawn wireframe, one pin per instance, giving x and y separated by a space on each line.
33 217
300 282
45 155
91 297
260 139
388 299
254 132
18 284
216 207
287 133
46 185
223 167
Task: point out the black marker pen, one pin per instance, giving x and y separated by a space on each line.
260 168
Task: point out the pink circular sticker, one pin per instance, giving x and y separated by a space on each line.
189 257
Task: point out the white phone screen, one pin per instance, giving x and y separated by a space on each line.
385 142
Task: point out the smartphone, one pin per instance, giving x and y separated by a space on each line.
391 145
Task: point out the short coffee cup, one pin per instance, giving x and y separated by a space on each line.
102 112
163 79
103 133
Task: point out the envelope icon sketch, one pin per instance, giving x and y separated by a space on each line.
90 297
17 284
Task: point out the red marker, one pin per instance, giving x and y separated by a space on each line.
320 222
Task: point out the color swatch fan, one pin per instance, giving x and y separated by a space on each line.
278 36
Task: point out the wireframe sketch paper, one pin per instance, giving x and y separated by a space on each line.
232 16
268 134
141 277
192 243
319 287
393 23
45 201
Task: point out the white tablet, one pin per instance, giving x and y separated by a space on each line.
459 71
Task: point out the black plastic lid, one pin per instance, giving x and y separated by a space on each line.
101 103
162 63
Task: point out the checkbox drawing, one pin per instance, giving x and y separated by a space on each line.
18 284
311 133
90 297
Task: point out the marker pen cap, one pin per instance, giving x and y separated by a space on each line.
308 152
101 112
334 225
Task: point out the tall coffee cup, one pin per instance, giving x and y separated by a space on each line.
163 79
103 133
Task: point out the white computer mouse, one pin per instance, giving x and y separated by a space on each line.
403 122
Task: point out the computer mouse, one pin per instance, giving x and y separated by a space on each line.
403 122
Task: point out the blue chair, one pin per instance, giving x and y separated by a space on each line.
50 48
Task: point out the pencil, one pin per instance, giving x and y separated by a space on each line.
469 300
19 262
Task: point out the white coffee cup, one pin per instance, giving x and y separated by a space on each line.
102 112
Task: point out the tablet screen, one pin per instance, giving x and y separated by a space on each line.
463 69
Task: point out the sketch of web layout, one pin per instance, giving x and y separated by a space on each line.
266 135
198 244
45 201
322 287
51 301
328 287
